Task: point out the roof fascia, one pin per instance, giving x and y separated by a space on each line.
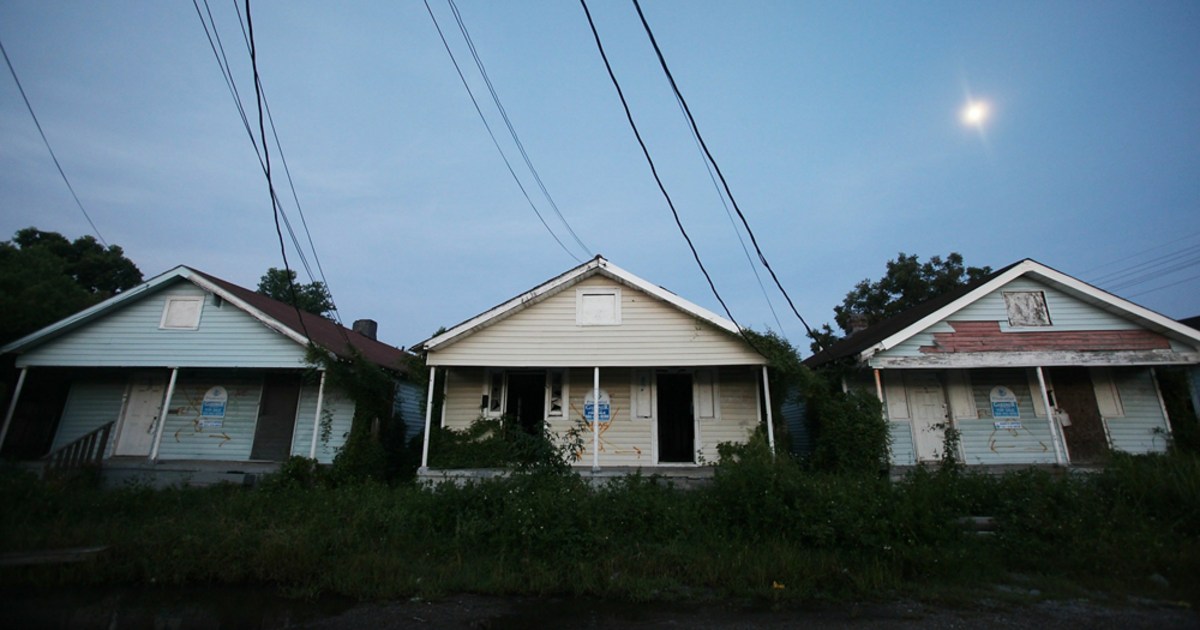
82 317
270 322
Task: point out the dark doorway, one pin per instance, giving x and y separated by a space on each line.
527 400
676 423
276 418
1074 394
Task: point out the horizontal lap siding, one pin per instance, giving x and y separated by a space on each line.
409 403
130 337
902 450
464 386
624 441
983 443
90 404
184 438
652 333
1067 313
739 412
1143 428
336 407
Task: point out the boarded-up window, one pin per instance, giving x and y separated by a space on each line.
1026 308
1108 397
643 400
182 313
706 394
598 307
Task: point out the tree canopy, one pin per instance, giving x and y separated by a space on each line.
907 283
281 285
45 277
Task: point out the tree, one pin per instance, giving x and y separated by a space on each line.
281 285
44 277
907 283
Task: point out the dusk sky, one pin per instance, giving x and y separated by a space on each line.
837 124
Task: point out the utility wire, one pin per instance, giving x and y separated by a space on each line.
492 135
1159 261
733 223
292 185
49 148
267 159
1144 251
1166 286
725 184
654 171
462 27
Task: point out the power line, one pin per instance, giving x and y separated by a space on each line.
267 160
1166 286
1144 251
492 135
1158 261
49 148
654 171
462 27
692 120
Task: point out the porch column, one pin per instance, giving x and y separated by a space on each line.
428 418
878 386
12 405
162 413
770 419
595 419
1054 436
312 449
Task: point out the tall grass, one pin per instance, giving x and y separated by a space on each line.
763 529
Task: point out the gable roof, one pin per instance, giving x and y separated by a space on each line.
895 330
598 266
278 316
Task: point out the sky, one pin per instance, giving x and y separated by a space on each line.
838 126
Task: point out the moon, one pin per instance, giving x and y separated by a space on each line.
975 113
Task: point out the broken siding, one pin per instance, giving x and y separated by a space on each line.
651 334
187 435
1143 427
91 403
130 337
1067 314
337 409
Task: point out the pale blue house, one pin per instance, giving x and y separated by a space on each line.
1029 365
186 376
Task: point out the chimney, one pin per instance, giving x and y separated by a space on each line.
858 323
366 328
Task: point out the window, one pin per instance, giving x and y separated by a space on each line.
598 307
492 404
556 385
182 313
1026 308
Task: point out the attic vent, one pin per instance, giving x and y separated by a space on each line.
598 307
182 313
1026 308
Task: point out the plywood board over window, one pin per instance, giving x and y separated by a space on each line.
182 313
599 306
1026 308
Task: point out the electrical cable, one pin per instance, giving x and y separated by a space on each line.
462 27
725 184
270 185
492 135
51 149
654 172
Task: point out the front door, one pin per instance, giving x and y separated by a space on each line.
276 418
676 422
139 416
927 404
526 403
1074 394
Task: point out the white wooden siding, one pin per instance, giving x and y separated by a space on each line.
1143 428
131 337
91 403
337 406
739 411
651 334
1067 313
184 437
983 443
464 386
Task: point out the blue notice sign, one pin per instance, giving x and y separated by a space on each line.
1004 403
215 401
589 407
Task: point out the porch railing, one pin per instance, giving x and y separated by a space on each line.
87 450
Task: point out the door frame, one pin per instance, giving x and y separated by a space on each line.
119 434
947 416
658 417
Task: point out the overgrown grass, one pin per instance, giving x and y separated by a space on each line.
765 529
